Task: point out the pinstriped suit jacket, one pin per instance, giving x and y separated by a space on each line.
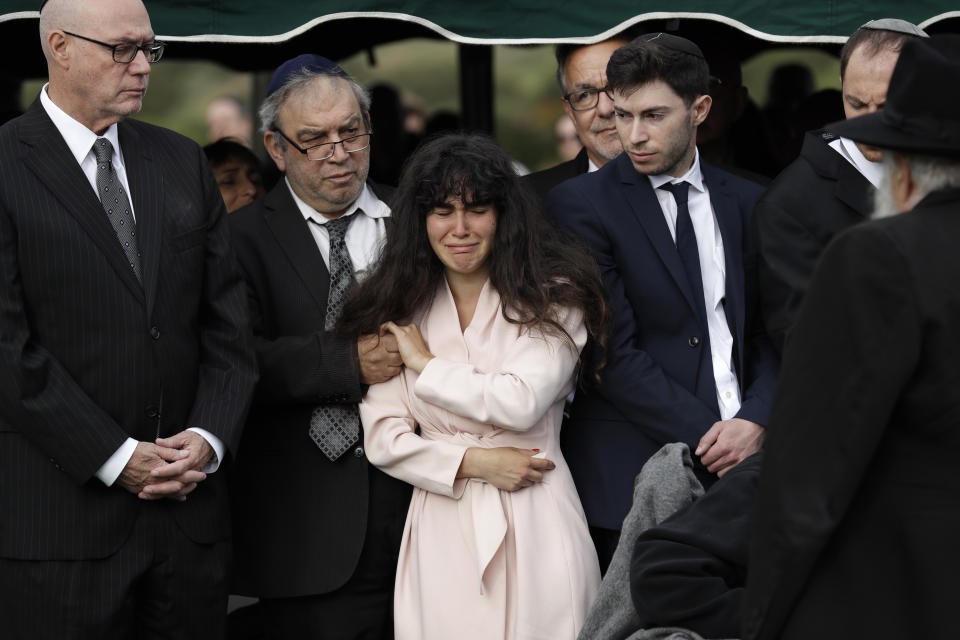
88 357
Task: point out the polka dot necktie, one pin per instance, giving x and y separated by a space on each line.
116 204
335 427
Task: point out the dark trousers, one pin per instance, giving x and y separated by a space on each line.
362 609
159 584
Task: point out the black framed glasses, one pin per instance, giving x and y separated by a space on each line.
586 98
125 52
325 150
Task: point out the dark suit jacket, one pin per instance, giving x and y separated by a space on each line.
657 385
858 514
541 182
88 357
819 195
299 519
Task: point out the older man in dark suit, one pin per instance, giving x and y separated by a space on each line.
830 187
685 360
858 514
317 526
125 360
582 76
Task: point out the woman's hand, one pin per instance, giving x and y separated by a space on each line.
506 468
413 349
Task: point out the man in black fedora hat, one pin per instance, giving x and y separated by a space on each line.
858 514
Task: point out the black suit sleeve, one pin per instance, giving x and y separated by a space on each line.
227 367
315 368
855 344
690 571
632 380
788 255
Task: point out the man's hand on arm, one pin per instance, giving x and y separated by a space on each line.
727 443
379 358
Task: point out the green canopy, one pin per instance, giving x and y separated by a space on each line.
514 21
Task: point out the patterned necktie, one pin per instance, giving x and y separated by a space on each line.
687 245
334 428
116 203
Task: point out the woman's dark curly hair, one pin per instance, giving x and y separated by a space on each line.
531 268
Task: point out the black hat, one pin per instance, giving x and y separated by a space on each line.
920 113
309 62
669 41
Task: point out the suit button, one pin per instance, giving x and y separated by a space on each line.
693 341
358 452
154 333
153 412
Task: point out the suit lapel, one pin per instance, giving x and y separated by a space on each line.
730 222
49 158
146 190
646 208
853 189
296 241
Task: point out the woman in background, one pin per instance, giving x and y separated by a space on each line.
490 311
237 172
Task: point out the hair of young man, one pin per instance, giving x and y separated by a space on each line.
270 109
531 267
873 41
635 65
225 150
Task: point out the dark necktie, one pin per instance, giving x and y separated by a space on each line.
116 203
687 245
335 427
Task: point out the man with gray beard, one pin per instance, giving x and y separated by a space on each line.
859 505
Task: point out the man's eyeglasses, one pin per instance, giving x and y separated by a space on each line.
325 150
583 99
125 52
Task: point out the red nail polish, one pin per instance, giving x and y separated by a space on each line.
536 450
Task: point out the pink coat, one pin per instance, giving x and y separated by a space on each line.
475 561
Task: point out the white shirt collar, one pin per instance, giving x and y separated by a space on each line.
79 139
694 176
591 167
872 171
371 205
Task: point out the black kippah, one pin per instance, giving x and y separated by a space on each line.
669 41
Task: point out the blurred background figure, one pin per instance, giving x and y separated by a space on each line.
733 136
568 144
789 86
238 173
227 117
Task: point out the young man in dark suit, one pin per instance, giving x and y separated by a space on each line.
125 361
317 527
685 359
857 520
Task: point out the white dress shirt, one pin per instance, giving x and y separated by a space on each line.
872 171
80 141
365 235
713 270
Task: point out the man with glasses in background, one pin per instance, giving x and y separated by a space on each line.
317 527
125 361
582 74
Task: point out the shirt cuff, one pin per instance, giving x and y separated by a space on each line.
216 444
111 469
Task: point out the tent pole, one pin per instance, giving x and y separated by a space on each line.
476 87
